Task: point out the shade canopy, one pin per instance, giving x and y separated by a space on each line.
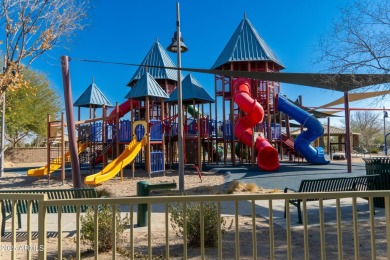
337 82
356 97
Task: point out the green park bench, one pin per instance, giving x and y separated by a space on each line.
359 183
22 205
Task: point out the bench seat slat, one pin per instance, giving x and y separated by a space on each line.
359 183
22 206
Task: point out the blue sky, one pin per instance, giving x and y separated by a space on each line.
124 31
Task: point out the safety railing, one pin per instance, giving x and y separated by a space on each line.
344 227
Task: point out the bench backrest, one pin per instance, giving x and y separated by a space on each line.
360 183
22 206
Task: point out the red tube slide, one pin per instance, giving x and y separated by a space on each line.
267 156
124 108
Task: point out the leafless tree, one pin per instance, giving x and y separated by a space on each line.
33 27
368 124
359 41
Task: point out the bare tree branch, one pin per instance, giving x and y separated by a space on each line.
359 41
368 124
34 27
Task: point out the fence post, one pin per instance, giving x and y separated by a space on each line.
42 227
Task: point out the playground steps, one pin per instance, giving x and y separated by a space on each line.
288 147
97 157
287 142
97 149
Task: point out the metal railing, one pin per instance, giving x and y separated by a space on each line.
344 227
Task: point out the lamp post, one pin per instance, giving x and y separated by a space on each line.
178 46
385 114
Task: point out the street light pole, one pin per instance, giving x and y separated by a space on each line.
178 46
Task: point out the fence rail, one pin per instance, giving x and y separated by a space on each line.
258 228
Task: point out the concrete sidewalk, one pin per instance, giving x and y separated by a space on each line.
289 174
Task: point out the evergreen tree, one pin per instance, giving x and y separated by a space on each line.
27 108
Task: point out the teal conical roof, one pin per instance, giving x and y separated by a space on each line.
191 90
92 96
246 45
146 86
156 56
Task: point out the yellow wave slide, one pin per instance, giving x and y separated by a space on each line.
55 165
114 167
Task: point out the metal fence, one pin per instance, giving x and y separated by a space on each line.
346 227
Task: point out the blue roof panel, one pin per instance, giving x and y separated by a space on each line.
156 56
246 45
191 90
92 96
146 86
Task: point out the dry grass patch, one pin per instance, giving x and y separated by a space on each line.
236 186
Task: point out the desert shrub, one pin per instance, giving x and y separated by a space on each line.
374 150
104 193
193 223
252 187
238 186
233 186
104 225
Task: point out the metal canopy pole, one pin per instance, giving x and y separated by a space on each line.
347 133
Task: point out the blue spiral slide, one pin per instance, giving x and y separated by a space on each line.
313 130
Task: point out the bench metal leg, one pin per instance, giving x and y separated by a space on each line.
298 205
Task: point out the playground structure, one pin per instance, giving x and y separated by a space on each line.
260 95
267 156
117 165
144 128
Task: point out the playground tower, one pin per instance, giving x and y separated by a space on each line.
93 134
245 51
194 97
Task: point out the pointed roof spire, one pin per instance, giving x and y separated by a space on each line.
192 90
156 56
92 96
246 45
146 86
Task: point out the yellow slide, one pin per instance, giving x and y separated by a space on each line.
114 167
55 165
